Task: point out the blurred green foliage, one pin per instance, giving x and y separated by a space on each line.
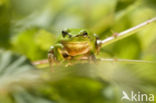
29 27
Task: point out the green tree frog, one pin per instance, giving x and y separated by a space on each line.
74 44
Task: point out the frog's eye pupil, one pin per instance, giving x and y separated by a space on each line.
64 33
85 33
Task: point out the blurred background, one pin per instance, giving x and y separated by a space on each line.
29 27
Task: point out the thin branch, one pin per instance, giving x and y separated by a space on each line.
42 63
125 33
127 61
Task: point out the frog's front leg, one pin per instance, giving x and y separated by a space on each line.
55 54
92 56
51 57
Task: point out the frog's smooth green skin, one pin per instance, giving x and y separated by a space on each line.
74 44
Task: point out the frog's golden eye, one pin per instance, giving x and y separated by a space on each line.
85 33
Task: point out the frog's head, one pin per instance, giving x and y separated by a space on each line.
75 35
76 41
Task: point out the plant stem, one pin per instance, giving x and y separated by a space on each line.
44 63
125 33
126 61
41 63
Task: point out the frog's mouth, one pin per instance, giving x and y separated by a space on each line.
76 48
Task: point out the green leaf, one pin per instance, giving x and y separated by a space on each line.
123 4
5 23
34 43
14 68
17 76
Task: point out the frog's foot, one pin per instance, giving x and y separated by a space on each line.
92 58
51 60
51 57
68 64
66 56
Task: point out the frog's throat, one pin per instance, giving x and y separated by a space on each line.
77 48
